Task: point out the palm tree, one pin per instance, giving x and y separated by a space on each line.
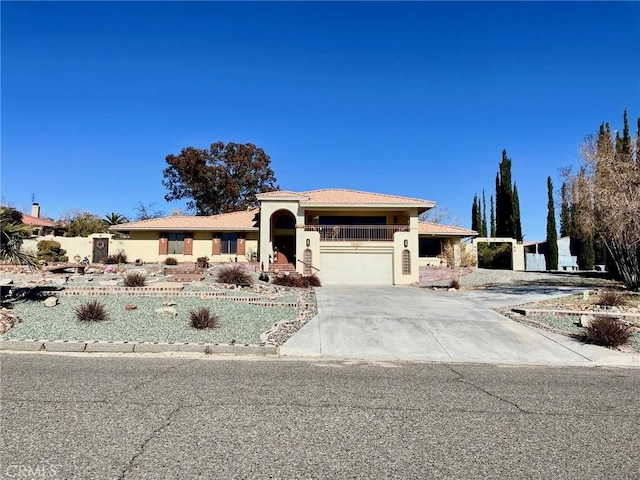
12 232
115 219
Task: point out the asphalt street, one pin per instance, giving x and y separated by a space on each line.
147 417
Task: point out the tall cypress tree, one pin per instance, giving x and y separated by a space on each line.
517 224
552 234
493 219
483 225
624 149
505 225
565 213
474 214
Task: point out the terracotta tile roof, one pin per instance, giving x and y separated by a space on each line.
429 228
245 220
280 194
37 222
341 196
344 196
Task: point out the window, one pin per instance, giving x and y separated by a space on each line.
307 262
430 247
176 243
406 262
229 243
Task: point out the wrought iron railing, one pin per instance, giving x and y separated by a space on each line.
356 233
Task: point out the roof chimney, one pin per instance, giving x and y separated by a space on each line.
35 210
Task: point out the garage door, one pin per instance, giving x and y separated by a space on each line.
356 268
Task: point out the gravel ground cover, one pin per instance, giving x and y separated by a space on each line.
482 277
239 322
569 324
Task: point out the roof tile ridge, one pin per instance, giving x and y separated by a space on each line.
378 194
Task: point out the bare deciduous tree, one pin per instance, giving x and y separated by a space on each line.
607 190
442 215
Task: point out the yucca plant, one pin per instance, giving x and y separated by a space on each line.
91 311
202 318
135 279
235 275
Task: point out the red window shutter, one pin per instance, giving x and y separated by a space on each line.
164 244
217 245
188 244
240 245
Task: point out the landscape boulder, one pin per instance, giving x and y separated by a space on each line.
166 312
51 302
586 320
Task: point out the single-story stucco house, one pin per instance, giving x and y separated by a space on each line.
344 236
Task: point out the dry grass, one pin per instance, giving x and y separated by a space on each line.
135 279
608 332
612 298
91 311
234 275
202 318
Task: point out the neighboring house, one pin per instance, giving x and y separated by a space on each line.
345 236
535 255
434 238
41 226
222 238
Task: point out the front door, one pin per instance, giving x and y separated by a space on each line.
284 247
100 249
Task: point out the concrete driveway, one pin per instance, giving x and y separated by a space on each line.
410 323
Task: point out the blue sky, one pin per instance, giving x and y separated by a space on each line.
415 98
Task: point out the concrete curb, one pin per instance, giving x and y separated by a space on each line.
135 347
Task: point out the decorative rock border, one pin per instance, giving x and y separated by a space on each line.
253 300
94 346
531 311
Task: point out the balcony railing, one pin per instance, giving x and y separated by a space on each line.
356 233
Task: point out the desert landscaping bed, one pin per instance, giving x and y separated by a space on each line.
257 314
566 315
239 322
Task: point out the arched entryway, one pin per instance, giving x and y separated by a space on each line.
283 237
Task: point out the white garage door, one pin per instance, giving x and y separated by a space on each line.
356 268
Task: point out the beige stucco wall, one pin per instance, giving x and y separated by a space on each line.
75 246
267 209
144 246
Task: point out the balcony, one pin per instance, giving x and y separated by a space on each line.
356 233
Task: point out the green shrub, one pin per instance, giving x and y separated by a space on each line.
495 255
234 275
91 311
608 332
612 298
135 279
202 262
203 318
170 261
50 251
